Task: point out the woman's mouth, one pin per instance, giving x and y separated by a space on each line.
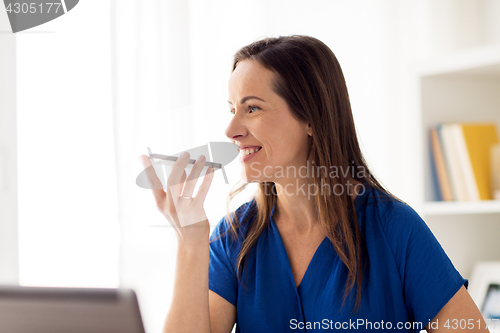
246 154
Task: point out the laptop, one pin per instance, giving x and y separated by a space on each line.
75 310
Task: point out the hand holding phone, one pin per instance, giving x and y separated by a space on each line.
184 211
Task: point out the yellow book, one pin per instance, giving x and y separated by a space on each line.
479 137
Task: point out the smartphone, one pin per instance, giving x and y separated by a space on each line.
169 160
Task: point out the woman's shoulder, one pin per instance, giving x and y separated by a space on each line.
397 224
391 214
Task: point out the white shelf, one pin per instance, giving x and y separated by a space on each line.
433 208
483 61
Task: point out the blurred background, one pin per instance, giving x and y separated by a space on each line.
81 97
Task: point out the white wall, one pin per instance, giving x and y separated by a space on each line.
8 155
68 221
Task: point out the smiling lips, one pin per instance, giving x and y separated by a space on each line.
248 151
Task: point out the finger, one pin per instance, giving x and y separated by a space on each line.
193 176
205 185
183 179
178 169
174 180
177 193
154 181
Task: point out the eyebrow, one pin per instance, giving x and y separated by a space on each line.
247 98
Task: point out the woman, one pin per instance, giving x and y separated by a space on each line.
322 245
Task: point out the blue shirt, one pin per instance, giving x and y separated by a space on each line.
407 281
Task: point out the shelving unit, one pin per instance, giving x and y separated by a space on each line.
435 208
463 86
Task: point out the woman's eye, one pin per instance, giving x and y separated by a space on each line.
250 108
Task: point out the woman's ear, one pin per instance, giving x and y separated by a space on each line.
309 130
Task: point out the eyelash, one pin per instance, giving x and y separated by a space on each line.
249 107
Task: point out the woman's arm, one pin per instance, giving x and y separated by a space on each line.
194 307
222 314
189 309
459 314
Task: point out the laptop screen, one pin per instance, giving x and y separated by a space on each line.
75 310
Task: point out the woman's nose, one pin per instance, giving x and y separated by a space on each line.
236 127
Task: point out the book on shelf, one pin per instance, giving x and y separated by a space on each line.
440 174
495 171
462 162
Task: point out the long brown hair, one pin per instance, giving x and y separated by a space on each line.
309 78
